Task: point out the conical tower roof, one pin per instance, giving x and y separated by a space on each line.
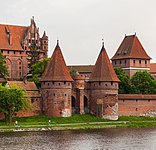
44 36
131 48
103 69
56 69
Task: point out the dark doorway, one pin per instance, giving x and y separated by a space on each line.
73 105
86 108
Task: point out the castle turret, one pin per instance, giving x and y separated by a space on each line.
44 44
56 86
131 56
104 88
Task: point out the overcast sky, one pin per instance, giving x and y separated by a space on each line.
81 24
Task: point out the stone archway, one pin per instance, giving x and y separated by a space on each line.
73 105
86 105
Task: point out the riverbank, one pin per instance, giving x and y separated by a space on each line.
77 122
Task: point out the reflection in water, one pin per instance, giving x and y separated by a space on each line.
105 139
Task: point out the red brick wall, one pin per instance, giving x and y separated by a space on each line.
99 90
136 104
56 98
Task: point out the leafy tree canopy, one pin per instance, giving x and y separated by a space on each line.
73 72
143 83
124 84
38 69
3 68
12 100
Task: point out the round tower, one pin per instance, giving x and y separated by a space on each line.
103 84
56 85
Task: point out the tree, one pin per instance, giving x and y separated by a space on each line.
124 84
38 69
33 56
3 68
143 83
73 72
12 100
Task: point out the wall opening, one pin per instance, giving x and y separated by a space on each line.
73 105
86 106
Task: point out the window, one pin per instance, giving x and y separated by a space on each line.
115 62
20 52
136 109
134 61
99 83
65 94
8 52
14 52
120 62
59 83
54 94
19 63
19 67
125 61
111 83
32 100
145 61
105 84
64 82
139 61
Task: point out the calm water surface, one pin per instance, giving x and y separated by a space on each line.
106 139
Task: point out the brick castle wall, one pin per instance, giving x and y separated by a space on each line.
136 105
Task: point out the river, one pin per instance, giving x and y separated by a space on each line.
101 139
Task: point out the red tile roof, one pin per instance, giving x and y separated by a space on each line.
103 70
56 69
81 68
29 87
131 48
17 34
153 68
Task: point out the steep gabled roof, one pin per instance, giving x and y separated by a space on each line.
131 48
103 69
17 34
56 69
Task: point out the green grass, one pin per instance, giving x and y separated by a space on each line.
43 119
87 121
136 118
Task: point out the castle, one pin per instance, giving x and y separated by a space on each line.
15 43
94 89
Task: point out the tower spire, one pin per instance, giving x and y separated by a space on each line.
103 43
